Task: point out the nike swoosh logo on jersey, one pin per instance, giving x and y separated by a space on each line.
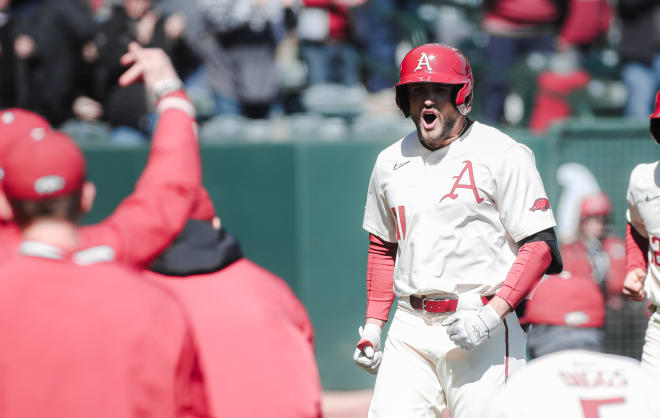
399 165
649 198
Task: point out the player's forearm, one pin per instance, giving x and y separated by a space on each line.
375 321
380 278
533 260
174 156
147 221
636 249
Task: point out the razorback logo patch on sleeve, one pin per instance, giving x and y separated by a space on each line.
540 204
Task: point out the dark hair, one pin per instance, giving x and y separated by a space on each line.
64 207
544 339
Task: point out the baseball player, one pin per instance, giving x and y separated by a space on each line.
148 219
599 254
84 336
460 229
643 244
239 310
568 376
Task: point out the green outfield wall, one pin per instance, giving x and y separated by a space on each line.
297 208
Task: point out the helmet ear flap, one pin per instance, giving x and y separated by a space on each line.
461 96
654 127
402 100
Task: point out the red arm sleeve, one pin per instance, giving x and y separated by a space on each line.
380 277
637 248
533 260
146 221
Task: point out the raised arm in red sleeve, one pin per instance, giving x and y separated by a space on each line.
637 248
533 260
146 221
380 277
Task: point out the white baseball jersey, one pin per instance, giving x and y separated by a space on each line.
457 212
644 214
577 384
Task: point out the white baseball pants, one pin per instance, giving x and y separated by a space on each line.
423 371
651 351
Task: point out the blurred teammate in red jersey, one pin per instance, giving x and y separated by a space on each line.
238 310
88 336
146 221
600 255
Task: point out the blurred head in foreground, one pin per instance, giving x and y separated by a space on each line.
566 312
45 178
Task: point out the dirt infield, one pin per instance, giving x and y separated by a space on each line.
349 404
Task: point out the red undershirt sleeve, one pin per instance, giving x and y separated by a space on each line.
533 260
380 277
637 248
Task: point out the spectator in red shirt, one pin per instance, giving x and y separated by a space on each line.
600 255
238 310
88 336
515 29
147 220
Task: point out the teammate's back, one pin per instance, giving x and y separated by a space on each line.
579 383
91 340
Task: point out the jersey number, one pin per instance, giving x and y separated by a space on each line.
590 406
400 221
655 247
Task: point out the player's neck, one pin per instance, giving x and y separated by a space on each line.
58 233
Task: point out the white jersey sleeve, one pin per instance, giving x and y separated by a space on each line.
523 203
378 217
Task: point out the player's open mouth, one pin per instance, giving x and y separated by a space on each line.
429 118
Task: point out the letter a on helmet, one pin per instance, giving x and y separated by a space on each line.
436 63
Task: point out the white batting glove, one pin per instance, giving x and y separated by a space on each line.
368 353
470 328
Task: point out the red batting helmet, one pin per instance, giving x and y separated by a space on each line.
595 205
436 63
655 120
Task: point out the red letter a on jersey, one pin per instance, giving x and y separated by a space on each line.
458 185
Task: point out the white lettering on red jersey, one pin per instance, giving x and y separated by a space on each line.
457 212
578 383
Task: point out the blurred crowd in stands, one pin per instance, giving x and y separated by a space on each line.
536 61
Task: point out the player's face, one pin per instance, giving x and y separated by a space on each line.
434 114
593 227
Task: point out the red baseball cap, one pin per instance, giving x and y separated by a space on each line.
566 300
595 205
16 123
203 209
43 166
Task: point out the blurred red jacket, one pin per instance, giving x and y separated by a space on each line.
255 338
576 260
85 339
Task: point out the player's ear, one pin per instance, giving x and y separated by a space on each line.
6 213
87 197
216 223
